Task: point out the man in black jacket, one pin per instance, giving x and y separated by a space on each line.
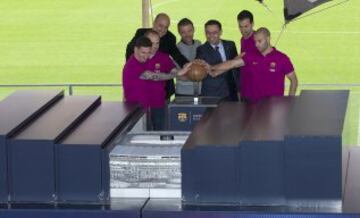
167 45
214 51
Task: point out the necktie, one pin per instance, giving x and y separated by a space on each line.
218 52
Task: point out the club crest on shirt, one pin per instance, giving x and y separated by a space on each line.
254 63
272 67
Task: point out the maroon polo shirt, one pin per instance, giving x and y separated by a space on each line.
248 45
265 75
133 86
155 93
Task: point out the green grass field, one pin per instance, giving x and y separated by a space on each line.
53 41
47 41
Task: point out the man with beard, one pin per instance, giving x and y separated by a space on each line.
187 47
246 26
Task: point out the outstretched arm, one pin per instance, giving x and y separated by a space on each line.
218 69
179 73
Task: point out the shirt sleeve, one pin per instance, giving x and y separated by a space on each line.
287 66
169 64
175 53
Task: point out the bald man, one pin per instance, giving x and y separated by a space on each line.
266 69
167 45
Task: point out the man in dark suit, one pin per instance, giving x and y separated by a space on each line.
214 51
167 45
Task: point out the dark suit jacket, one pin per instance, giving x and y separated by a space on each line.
167 45
224 85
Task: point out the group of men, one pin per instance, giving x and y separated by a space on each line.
154 59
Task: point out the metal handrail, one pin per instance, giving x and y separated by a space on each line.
331 84
71 86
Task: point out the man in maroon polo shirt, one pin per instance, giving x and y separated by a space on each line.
159 69
247 42
266 70
246 26
144 76
133 69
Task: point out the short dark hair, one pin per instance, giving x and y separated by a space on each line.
245 14
213 22
143 41
183 22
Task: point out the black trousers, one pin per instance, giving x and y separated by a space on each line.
156 119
